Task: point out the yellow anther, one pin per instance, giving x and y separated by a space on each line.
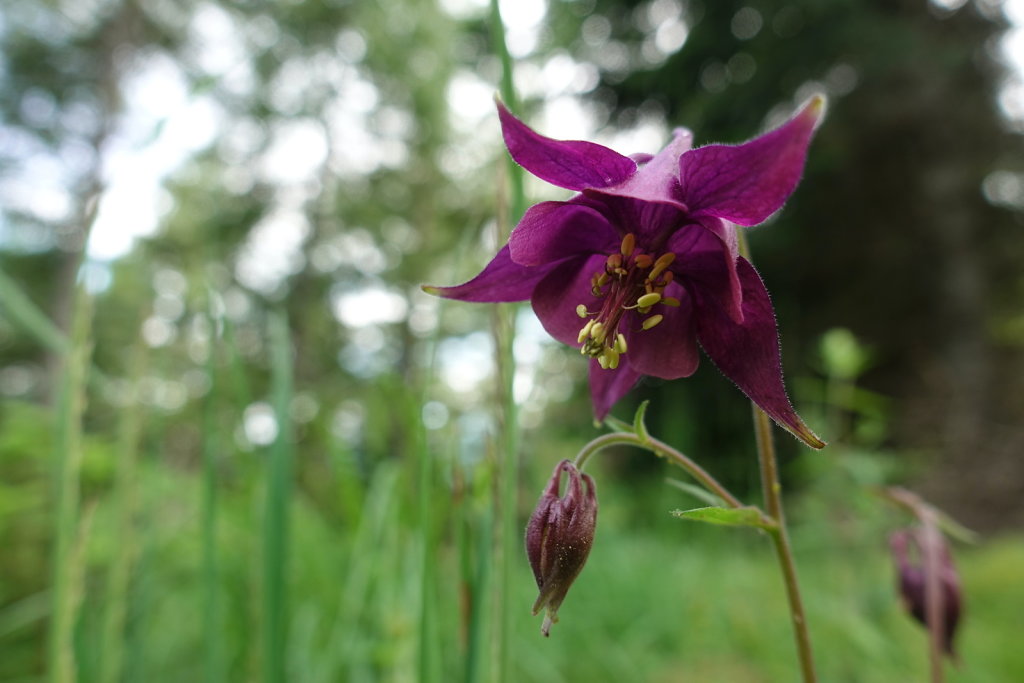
603 360
652 321
614 262
585 332
613 358
628 244
648 300
603 280
620 343
671 301
598 332
581 311
663 262
643 260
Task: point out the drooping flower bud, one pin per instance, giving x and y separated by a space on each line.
559 536
913 580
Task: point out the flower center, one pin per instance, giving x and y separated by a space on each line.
630 280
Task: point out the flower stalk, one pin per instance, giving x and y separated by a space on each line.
780 540
661 449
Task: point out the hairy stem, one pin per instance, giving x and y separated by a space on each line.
661 449
780 539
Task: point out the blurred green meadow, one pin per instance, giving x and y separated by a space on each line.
239 443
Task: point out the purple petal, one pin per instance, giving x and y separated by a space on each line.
500 280
649 220
706 260
658 179
551 231
748 353
556 297
608 386
572 164
668 350
747 183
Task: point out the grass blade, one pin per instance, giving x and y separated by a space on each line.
61 666
278 493
124 495
213 654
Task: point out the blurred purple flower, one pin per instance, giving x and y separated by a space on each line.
645 259
559 536
913 581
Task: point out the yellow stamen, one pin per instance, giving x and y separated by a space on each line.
671 301
648 300
614 262
652 321
581 311
628 244
663 262
613 358
620 343
585 332
643 261
598 332
603 360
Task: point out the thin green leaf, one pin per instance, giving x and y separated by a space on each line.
697 492
955 529
617 425
744 516
639 428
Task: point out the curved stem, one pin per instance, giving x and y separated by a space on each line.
780 539
659 448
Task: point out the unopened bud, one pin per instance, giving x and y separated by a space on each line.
559 536
913 580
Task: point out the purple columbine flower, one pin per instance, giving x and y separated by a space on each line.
642 264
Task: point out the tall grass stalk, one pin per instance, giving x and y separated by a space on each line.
428 660
61 666
504 334
278 494
365 565
124 498
213 648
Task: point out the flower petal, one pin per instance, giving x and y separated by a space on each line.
657 180
608 386
500 280
648 220
556 297
551 231
572 164
747 183
748 352
668 350
706 260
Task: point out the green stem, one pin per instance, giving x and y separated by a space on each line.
517 203
126 486
279 483
780 539
209 511
68 462
660 449
504 333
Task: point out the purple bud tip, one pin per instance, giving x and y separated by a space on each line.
559 536
913 579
